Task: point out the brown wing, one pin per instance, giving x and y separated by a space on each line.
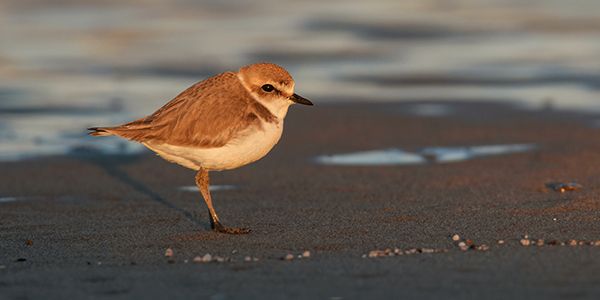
207 114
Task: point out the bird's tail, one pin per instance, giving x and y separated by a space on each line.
100 131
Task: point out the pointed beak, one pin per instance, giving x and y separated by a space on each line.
299 99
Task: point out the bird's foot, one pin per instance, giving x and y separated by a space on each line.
218 227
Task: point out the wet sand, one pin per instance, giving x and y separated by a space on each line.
99 225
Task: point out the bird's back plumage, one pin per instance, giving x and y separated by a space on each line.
206 115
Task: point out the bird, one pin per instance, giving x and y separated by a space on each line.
221 123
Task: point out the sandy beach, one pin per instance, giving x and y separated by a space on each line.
92 225
452 152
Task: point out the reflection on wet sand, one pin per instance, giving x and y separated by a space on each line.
430 154
7 199
213 188
372 158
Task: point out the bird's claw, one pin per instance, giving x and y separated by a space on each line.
230 230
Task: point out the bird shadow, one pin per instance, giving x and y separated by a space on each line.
112 166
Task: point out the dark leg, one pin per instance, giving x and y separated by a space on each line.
203 181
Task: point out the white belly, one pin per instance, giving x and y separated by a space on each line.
240 151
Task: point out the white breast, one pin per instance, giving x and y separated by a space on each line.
248 147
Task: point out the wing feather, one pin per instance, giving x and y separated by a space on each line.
207 114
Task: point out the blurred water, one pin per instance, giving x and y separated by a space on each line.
66 65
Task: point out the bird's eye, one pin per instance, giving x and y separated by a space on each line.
268 88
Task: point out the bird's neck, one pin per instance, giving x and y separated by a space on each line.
279 109
276 108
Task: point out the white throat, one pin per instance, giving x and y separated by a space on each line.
278 107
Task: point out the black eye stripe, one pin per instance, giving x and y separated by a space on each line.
268 88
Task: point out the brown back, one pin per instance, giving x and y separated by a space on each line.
207 114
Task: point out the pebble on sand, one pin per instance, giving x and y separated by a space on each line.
374 253
483 247
204 259
250 258
468 244
562 187
398 252
207 258
169 252
411 251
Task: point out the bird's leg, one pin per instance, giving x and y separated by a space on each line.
203 182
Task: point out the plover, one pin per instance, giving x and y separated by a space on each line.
222 123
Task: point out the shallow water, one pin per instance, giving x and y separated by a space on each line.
68 65
426 155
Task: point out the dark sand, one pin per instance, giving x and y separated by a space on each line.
100 225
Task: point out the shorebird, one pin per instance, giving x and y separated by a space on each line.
222 123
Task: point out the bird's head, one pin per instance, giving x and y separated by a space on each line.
271 85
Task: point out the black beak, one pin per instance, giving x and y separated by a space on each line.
299 99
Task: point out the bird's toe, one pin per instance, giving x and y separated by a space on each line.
231 230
